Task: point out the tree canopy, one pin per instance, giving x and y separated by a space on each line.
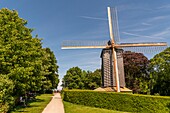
144 76
136 73
160 73
77 78
24 65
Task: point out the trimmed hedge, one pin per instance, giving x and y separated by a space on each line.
119 101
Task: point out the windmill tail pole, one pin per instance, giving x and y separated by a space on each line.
116 70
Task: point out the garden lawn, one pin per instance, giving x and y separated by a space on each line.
36 106
74 108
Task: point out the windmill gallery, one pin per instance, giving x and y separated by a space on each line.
112 60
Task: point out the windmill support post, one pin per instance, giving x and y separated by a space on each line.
115 67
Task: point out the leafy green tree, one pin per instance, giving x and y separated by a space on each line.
53 68
93 79
136 73
160 73
24 65
75 78
21 55
50 65
6 90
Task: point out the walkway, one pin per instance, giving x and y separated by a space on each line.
55 105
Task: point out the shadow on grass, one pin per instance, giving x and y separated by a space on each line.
22 111
37 100
20 108
168 105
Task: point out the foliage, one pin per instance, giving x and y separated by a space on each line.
93 79
73 108
53 68
36 106
160 73
6 99
25 65
75 78
119 101
20 53
136 74
50 80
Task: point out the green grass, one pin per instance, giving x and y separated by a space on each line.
36 106
73 108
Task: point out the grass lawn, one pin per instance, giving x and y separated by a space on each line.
36 106
73 108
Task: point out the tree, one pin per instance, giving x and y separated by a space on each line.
136 74
160 73
75 78
93 79
24 65
22 56
50 64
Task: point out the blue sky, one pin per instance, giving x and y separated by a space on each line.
59 20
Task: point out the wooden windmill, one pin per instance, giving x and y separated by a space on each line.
112 46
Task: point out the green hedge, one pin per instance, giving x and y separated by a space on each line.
119 101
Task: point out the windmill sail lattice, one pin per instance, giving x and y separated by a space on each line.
70 44
112 60
115 25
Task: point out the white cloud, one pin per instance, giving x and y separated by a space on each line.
158 18
127 7
162 33
139 29
144 36
147 24
167 6
91 63
93 18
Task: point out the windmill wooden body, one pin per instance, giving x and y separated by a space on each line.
113 70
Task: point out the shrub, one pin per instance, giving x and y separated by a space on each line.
119 101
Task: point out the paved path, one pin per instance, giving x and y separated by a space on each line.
55 105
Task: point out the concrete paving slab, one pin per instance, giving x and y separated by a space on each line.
55 105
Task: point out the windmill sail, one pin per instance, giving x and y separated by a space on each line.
152 49
75 44
115 25
144 44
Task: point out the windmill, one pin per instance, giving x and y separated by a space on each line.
114 50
